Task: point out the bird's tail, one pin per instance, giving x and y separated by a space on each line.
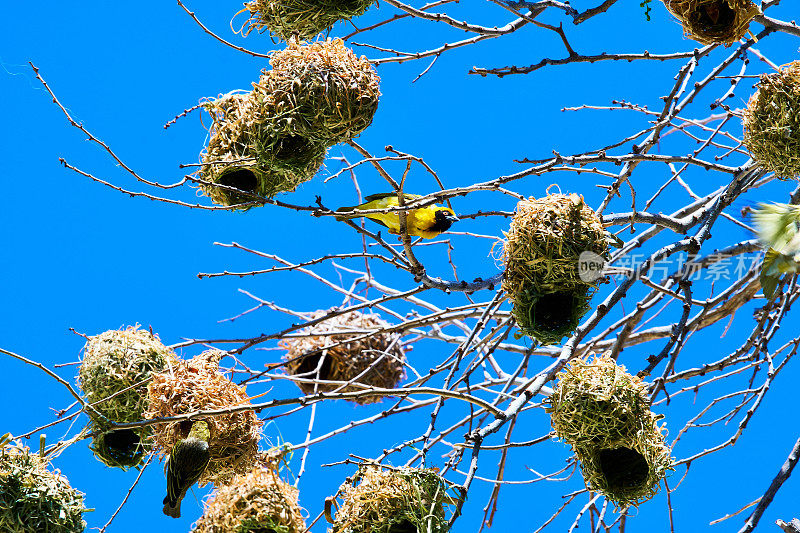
172 509
348 212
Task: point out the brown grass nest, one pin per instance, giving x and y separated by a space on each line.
113 376
343 348
604 414
713 21
246 160
772 122
321 91
304 18
401 500
198 385
258 501
35 499
541 254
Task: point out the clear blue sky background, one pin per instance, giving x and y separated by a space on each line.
77 254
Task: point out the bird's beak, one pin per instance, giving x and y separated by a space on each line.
451 217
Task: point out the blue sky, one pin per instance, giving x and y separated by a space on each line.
80 255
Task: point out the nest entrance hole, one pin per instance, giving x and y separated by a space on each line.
263 530
241 178
309 364
554 310
404 526
122 441
291 147
715 16
623 468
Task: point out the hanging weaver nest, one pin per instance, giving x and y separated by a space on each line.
604 414
541 255
321 91
342 348
713 21
306 18
403 500
245 153
258 501
772 122
113 377
198 385
596 403
630 471
34 499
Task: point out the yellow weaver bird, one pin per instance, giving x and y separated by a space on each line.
426 222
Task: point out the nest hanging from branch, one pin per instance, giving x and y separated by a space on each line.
305 18
713 21
198 385
321 91
113 376
258 501
604 414
541 254
248 158
343 348
34 499
402 500
772 122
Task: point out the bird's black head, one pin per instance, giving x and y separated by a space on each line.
444 219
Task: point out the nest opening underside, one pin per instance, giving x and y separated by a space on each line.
305 18
623 468
714 21
551 316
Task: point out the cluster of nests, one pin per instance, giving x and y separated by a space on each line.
275 137
604 414
541 255
713 21
34 497
129 375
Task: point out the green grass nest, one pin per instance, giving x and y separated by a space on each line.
598 403
713 21
305 18
345 355
321 91
34 499
113 376
541 254
604 414
257 502
247 159
403 500
772 122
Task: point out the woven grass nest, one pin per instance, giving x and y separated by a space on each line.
343 348
402 500
113 376
541 254
321 91
198 385
256 502
34 499
772 122
604 414
713 21
248 158
305 18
